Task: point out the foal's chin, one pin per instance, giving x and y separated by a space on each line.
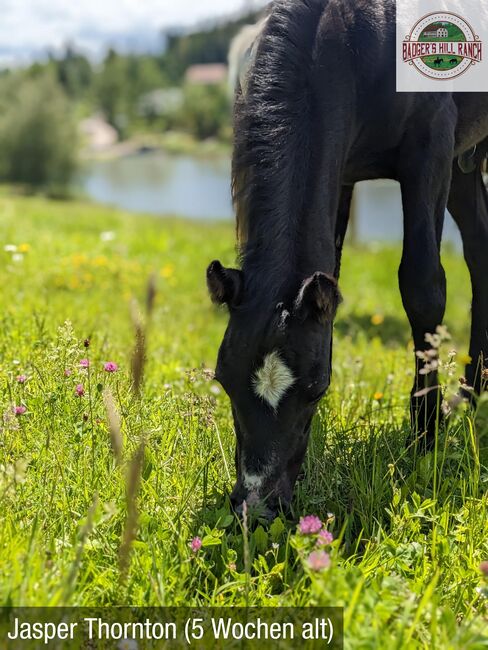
257 507
274 497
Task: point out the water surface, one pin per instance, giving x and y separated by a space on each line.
199 188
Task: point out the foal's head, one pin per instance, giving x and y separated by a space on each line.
274 363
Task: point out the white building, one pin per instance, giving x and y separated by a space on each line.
441 32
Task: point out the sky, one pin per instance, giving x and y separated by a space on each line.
28 28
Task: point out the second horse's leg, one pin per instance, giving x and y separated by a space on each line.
468 204
425 175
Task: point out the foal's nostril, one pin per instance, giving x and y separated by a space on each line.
256 511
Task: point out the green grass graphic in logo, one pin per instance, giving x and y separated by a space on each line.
442 32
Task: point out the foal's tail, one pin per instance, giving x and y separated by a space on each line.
273 127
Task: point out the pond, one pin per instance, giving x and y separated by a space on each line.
199 188
162 184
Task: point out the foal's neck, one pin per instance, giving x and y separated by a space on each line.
275 267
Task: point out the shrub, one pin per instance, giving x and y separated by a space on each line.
38 135
206 111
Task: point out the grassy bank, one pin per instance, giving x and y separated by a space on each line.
171 142
410 532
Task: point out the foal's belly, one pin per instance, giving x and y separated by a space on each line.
377 148
376 145
375 152
371 167
472 125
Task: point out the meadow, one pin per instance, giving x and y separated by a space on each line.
114 472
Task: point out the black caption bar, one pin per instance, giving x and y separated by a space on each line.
125 628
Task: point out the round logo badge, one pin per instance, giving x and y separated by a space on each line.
442 46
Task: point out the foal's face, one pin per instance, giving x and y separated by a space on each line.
275 367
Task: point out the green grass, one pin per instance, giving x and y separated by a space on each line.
411 531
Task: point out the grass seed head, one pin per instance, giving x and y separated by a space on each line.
131 523
113 418
139 350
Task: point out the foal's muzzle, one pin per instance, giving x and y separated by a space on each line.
273 496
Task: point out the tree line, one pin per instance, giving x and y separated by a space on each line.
41 105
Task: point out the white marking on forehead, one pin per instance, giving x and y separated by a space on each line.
273 379
253 482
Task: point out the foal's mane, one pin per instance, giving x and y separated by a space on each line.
272 144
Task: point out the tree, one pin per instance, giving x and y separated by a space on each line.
206 110
38 136
111 90
206 46
74 73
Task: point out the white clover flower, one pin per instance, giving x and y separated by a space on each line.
18 258
107 236
127 644
10 248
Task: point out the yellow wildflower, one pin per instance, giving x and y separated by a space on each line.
78 259
167 271
101 260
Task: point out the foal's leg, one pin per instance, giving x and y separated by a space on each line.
425 174
468 204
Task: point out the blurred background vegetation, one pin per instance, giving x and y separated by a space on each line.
51 110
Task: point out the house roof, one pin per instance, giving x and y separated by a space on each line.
206 74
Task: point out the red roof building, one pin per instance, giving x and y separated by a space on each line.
209 74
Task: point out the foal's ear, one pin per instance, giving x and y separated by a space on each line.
224 285
319 298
